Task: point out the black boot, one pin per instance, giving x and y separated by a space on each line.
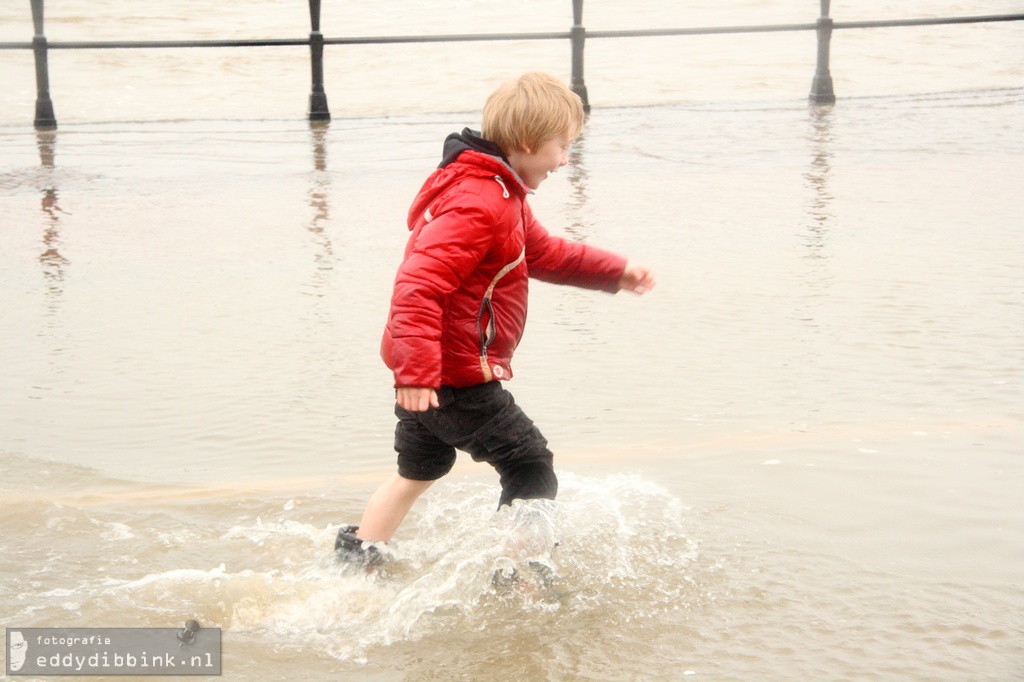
349 548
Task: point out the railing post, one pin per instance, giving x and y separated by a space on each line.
821 86
45 120
578 37
318 110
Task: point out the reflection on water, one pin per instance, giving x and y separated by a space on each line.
817 272
51 259
319 196
817 177
54 263
577 170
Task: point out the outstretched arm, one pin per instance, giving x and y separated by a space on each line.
557 260
636 278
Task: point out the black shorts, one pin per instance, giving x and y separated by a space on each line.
482 420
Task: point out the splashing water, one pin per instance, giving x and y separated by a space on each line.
606 541
614 545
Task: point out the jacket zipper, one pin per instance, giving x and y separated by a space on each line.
487 336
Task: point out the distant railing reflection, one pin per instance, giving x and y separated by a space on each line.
821 86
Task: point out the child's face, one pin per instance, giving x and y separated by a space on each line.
534 166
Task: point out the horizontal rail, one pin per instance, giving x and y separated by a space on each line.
274 42
707 30
140 44
890 23
485 37
454 38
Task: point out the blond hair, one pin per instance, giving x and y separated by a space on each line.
524 113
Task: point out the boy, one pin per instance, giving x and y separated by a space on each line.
459 304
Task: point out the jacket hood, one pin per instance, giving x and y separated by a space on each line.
456 143
465 154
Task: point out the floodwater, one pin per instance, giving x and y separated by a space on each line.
799 458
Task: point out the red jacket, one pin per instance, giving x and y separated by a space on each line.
459 304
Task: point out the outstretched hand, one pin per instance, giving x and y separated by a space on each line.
416 399
636 278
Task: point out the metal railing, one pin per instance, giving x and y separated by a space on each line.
822 92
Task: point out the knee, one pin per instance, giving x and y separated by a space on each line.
426 468
528 481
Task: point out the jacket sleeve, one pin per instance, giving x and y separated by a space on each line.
441 255
557 260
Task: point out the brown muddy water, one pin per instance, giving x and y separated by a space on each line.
799 458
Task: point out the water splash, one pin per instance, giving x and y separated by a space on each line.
608 545
614 543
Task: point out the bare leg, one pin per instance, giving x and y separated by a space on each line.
388 506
